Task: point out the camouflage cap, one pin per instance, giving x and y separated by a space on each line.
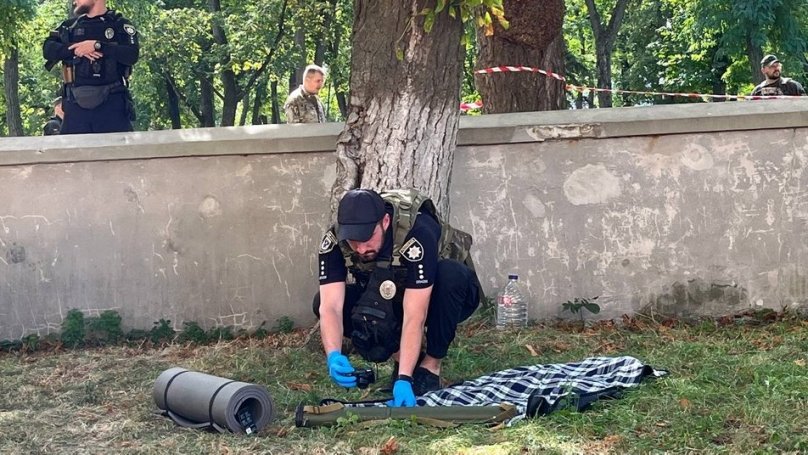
768 60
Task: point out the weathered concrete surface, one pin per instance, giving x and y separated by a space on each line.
221 226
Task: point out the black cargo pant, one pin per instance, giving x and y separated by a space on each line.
111 116
454 298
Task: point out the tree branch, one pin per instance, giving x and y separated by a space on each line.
265 64
170 79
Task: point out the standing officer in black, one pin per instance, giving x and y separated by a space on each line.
97 50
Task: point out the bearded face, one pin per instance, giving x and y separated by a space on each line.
82 6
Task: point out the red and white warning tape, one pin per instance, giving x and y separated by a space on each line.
580 88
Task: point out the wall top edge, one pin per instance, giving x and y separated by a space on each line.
474 130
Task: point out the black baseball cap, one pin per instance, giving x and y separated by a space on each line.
358 213
768 60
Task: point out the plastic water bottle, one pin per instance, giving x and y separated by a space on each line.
511 305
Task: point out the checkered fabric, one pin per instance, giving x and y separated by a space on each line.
542 389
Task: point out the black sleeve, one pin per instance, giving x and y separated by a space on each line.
331 262
127 49
420 252
53 49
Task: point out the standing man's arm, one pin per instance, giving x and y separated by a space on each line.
53 49
291 110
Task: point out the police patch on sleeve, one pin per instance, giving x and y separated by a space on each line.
129 29
328 243
412 250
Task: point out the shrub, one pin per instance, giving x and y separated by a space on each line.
73 328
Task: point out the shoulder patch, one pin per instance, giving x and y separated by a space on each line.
412 250
129 29
328 243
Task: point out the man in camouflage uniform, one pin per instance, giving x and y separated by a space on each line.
303 105
775 84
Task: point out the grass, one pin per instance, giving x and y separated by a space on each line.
738 385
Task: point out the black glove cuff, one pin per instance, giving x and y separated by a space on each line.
404 377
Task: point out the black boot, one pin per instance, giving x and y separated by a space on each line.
424 381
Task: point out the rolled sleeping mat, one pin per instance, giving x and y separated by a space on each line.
198 400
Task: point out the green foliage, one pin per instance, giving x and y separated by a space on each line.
104 329
261 332
221 333
575 305
162 332
284 324
30 343
10 345
73 329
193 333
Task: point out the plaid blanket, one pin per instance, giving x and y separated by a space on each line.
542 389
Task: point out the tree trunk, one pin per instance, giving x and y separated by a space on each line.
173 105
533 39
231 96
260 95
403 117
276 111
206 101
755 54
604 72
296 78
245 108
336 72
11 83
605 36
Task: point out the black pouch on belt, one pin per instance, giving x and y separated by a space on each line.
90 96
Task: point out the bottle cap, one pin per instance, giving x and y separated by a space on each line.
513 276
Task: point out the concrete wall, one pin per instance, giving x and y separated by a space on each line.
690 209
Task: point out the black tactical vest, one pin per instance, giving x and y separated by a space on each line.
105 29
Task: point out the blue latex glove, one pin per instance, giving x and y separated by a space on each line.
403 395
338 367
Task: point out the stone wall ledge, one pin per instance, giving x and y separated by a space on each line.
474 130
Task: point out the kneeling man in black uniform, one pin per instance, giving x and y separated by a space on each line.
410 276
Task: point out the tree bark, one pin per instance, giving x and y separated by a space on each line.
206 101
755 54
336 72
260 95
228 77
403 117
296 78
533 39
245 108
605 36
173 104
11 83
276 111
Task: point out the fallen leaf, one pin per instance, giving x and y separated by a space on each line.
663 424
300 386
390 447
684 403
532 350
800 362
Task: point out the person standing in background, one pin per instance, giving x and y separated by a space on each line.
303 105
